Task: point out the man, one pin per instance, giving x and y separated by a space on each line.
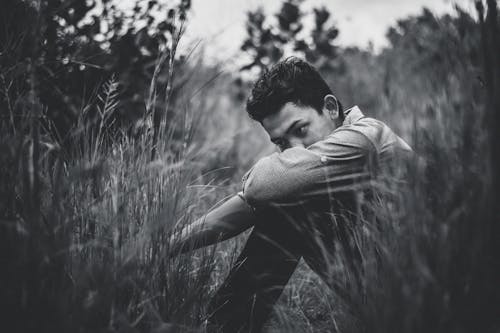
301 200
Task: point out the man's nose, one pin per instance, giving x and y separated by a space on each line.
296 143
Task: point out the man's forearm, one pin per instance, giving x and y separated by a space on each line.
226 221
196 235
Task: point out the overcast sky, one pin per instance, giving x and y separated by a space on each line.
220 24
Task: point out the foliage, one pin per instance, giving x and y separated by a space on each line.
427 56
73 46
87 236
267 42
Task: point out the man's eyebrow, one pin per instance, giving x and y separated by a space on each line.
288 130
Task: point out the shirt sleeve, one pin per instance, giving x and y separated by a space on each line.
298 174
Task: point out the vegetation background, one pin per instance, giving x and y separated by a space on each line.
110 140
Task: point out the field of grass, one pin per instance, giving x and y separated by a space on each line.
86 216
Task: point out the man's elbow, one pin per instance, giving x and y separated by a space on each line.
268 182
259 187
253 192
260 191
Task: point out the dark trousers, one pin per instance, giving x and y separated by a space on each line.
246 298
281 236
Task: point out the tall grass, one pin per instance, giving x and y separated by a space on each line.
86 221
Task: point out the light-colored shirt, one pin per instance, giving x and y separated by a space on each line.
347 159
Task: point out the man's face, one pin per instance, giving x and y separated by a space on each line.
297 126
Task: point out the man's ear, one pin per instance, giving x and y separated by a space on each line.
331 107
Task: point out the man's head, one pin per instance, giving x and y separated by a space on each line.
294 104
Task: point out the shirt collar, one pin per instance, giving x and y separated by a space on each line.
352 115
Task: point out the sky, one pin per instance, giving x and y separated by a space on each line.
219 25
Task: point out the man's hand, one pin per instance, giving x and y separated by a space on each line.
226 221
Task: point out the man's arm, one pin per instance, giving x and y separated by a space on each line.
332 165
226 221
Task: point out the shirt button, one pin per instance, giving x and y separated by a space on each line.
323 159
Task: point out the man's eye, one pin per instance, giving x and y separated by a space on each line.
302 130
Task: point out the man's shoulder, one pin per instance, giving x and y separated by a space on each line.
361 133
377 132
370 128
358 135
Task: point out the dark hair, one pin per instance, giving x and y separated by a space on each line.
291 80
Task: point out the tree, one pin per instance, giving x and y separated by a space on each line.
267 42
62 50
